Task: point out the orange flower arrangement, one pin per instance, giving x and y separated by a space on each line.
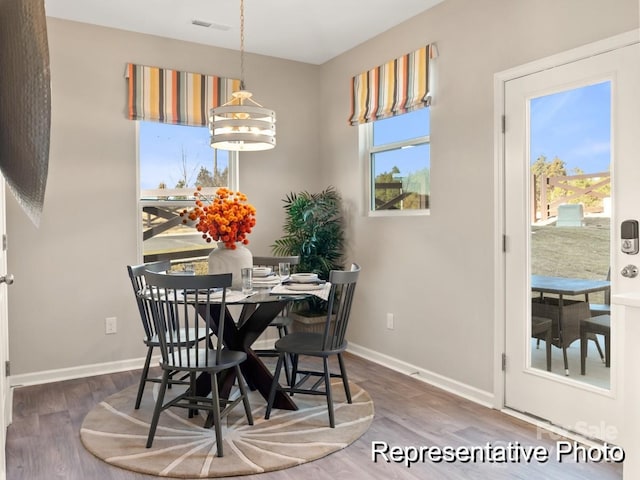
227 217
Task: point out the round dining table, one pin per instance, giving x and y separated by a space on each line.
258 310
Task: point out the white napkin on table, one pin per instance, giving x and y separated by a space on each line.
322 293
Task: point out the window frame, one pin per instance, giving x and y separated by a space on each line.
365 133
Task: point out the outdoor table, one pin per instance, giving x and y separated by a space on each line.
562 286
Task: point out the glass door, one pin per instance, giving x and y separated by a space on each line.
570 182
569 168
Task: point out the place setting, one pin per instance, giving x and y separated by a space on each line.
297 283
264 277
215 295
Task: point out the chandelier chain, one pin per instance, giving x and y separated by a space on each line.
241 44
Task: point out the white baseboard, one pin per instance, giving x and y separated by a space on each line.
453 386
48 376
62 374
466 391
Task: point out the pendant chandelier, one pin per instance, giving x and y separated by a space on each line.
242 124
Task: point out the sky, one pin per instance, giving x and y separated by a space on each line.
161 149
162 145
408 160
575 126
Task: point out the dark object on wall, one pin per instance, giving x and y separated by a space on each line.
25 102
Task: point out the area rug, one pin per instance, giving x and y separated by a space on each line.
117 433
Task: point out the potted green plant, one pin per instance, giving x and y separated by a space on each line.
314 230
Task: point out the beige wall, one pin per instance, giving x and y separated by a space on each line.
70 273
434 273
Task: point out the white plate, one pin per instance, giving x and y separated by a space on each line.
271 280
303 287
261 271
304 277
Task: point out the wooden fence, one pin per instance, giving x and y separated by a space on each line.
542 207
159 217
395 203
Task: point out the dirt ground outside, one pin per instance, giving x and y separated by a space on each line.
580 252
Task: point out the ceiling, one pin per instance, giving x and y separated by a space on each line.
300 30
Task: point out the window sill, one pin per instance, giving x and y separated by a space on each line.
399 213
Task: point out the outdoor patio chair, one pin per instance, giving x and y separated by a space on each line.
602 308
599 309
541 328
589 327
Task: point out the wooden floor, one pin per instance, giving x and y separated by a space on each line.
43 442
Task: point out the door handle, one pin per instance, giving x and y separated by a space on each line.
8 279
630 271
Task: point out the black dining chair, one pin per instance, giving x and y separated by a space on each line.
150 339
282 322
331 341
188 303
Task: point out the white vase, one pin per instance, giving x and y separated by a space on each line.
227 260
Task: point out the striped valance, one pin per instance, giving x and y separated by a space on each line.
396 87
170 96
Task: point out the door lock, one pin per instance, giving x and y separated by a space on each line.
630 271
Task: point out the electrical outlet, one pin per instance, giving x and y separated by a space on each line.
390 321
110 325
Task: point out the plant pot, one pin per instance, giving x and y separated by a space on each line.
227 260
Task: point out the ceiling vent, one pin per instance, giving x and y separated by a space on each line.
205 24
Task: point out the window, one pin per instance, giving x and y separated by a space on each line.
399 161
173 160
